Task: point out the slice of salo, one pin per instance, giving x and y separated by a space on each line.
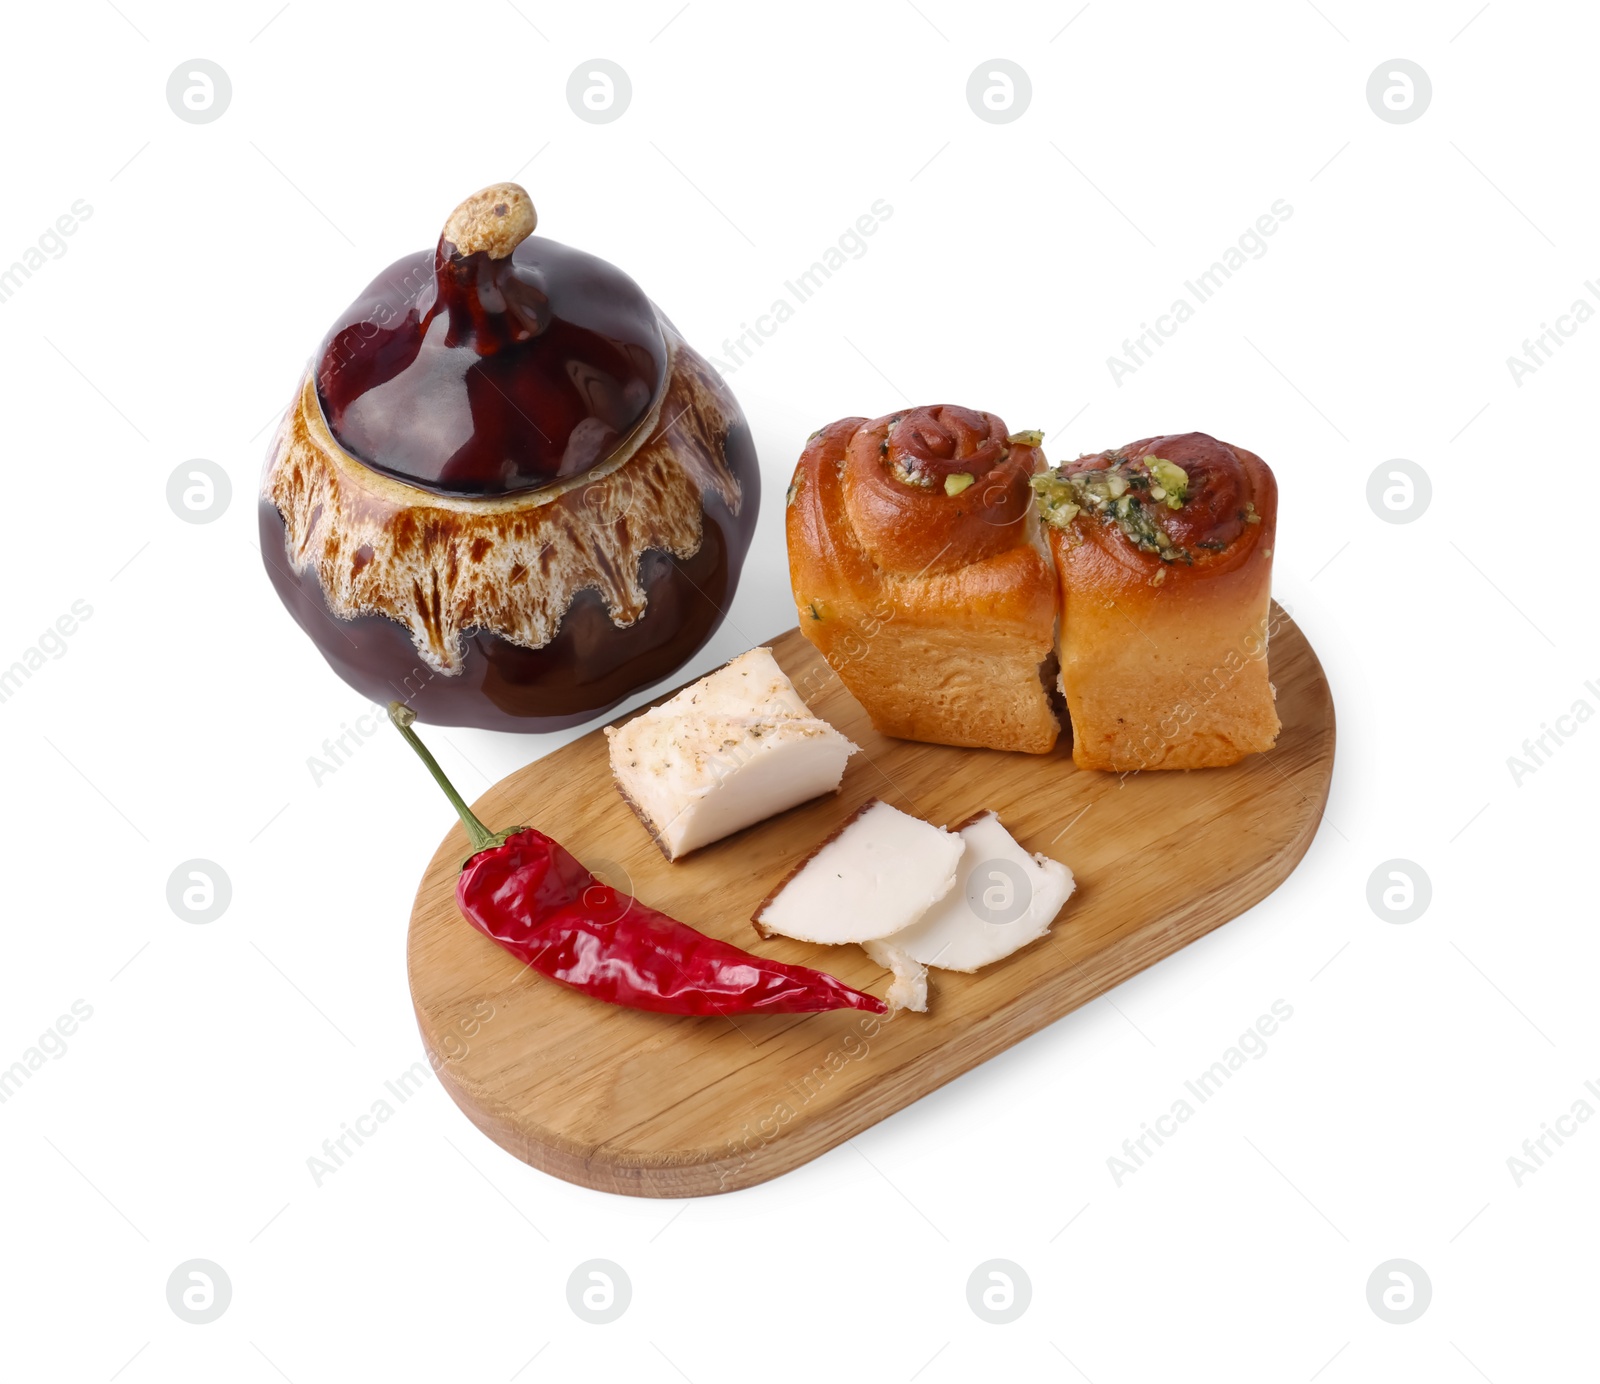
1003 899
908 978
877 874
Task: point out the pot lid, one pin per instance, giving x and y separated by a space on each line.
498 363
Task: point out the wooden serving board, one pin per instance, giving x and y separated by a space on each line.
656 1106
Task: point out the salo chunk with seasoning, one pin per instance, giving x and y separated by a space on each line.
731 750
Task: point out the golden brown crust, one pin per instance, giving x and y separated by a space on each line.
1213 528
935 608
1164 661
893 480
440 565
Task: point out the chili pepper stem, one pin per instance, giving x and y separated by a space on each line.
478 835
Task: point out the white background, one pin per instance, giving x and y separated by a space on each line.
179 720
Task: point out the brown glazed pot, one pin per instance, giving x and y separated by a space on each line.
507 492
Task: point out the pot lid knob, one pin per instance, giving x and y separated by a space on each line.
494 222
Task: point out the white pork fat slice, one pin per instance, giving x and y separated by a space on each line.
726 752
908 984
1003 899
880 872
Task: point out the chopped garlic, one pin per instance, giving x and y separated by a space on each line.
1169 481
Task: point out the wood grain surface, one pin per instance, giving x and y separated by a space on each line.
655 1106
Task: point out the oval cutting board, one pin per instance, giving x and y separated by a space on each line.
656 1106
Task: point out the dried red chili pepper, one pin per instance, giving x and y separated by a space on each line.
535 898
